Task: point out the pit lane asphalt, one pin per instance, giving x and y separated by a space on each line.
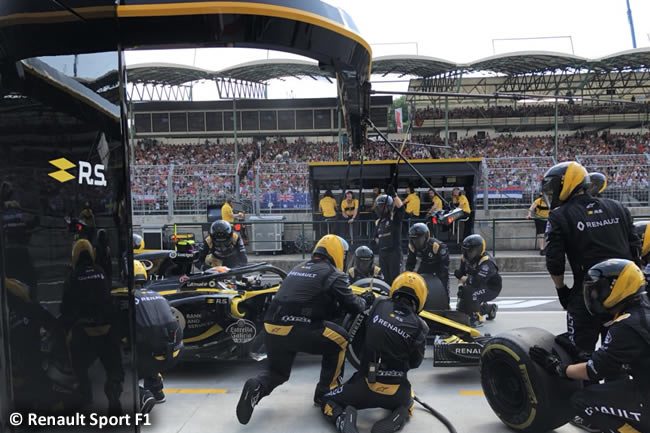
202 397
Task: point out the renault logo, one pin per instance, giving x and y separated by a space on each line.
62 164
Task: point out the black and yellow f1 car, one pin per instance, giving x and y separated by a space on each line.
221 311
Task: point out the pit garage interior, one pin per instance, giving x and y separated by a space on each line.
54 127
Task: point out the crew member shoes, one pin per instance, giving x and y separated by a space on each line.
347 421
250 396
393 422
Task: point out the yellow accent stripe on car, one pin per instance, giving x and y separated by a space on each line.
447 322
195 391
214 329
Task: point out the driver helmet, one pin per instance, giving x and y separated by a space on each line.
363 260
221 234
473 248
419 236
411 285
612 283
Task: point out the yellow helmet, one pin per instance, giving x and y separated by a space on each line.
411 284
82 248
612 283
334 248
139 272
562 181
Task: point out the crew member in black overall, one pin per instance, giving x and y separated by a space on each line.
586 230
222 247
298 320
364 265
158 337
433 254
394 343
480 281
614 288
88 316
388 233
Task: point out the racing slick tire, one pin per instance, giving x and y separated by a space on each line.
378 286
437 296
521 393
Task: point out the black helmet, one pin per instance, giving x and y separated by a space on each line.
473 248
383 205
597 184
612 283
138 242
363 260
642 229
221 235
562 181
419 236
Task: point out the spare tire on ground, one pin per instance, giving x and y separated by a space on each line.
522 394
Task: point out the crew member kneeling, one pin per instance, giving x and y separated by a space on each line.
222 247
298 320
613 288
480 279
159 339
364 265
394 343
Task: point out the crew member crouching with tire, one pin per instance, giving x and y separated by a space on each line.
299 320
480 281
159 339
364 266
394 343
614 288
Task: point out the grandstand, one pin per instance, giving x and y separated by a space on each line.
185 151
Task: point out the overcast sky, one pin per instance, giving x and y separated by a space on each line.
457 30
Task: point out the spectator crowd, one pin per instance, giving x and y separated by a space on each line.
529 110
203 171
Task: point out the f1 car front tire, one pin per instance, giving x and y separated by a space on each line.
523 395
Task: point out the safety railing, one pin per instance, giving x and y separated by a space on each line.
628 176
511 182
265 237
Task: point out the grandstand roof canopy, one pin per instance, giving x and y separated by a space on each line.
517 63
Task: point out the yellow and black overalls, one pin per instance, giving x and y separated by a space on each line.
394 343
298 320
